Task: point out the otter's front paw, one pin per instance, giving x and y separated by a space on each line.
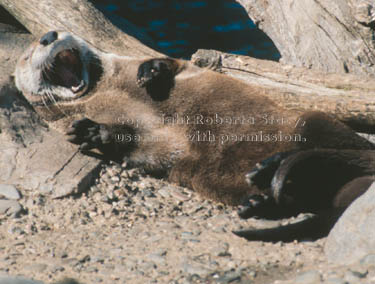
88 134
153 70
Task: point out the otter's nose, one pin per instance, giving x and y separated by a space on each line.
48 38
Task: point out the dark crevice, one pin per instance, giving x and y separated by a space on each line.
370 25
9 24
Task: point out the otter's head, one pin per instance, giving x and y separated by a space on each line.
54 68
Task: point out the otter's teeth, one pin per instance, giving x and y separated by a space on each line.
78 88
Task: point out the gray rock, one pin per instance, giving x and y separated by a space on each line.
158 256
354 276
309 277
197 269
61 170
369 137
207 59
335 281
57 268
221 250
10 207
17 280
15 230
20 126
353 237
34 157
229 277
36 267
164 192
91 269
368 260
9 191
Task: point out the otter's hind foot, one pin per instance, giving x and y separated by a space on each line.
88 134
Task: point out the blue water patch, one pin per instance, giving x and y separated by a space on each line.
235 26
246 50
141 6
239 52
189 5
232 5
251 25
194 5
156 24
168 43
180 42
177 6
182 25
260 53
179 27
175 52
111 8
267 44
164 44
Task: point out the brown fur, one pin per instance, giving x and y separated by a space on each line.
215 170
352 190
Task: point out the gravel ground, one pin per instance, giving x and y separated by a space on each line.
132 228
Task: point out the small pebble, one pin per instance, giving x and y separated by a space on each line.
309 277
10 207
335 281
368 260
9 192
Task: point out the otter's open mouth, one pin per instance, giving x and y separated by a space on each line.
66 71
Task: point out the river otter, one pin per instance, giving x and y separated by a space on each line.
205 130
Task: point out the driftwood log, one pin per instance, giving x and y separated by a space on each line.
79 17
350 97
331 36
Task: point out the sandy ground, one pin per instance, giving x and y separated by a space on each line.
131 228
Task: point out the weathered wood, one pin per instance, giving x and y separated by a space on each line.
349 97
13 42
331 36
79 17
27 151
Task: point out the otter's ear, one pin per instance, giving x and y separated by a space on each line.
12 78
